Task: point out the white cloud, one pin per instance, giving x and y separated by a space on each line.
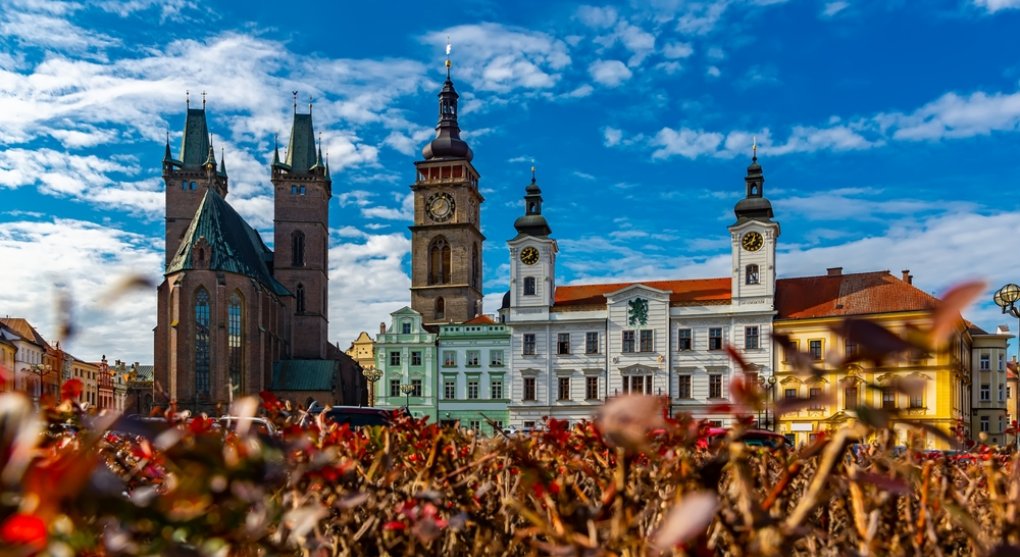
713 71
995 5
833 8
677 50
51 32
612 136
953 115
404 213
610 73
597 17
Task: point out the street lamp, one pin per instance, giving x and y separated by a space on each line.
373 375
40 371
407 389
1006 298
768 385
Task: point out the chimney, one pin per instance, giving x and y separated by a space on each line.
835 271
382 328
907 277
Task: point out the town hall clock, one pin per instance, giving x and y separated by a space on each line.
440 206
529 256
752 241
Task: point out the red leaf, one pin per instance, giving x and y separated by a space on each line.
71 389
24 529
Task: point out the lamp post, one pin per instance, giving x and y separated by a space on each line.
373 375
407 389
1006 298
768 385
40 371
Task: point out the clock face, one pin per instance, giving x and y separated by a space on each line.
529 256
440 206
752 241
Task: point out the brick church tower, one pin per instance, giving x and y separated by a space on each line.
446 240
302 190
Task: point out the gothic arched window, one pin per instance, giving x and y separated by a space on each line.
235 342
439 261
529 286
751 274
440 308
476 267
300 295
297 248
202 342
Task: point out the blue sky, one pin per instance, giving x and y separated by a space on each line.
888 136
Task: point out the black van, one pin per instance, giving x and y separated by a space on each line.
361 416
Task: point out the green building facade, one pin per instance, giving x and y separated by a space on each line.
406 354
473 374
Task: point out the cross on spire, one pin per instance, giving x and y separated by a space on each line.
203 99
754 147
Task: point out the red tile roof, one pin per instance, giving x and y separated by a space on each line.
480 320
682 292
848 294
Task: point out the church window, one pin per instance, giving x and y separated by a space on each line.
529 286
184 185
476 265
293 189
301 190
235 342
297 241
440 308
194 186
531 208
202 342
300 295
751 274
439 261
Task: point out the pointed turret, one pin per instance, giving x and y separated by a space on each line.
532 223
167 156
195 142
754 205
223 163
301 149
210 161
447 144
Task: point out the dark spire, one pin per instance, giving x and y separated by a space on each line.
532 223
276 150
754 205
447 144
301 149
223 163
195 141
327 164
210 161
318 155
167 156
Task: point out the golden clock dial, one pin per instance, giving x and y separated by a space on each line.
440 206
752 241
529 256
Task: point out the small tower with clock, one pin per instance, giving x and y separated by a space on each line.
753 240
532 256
446 238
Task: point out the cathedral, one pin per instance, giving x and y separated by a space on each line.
234 317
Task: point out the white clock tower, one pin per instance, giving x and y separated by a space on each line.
532 258
753 243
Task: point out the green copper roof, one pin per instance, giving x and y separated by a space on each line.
235 247
301 150
303 375
195 143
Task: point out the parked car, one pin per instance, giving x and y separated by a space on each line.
260 426
357 416
750 437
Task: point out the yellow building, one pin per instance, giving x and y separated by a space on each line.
363 350
810 308
7 352
1012 406
88 374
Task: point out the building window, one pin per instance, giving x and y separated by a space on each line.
395 358
473 357
450 389
563 391
405 328
591 387
439 261
790 351
416 358
449 358
529 344
529 388
394 387
683 387
715 385
985 424
497 426
416 387
1002 392
751 274
297 246
715 338
440 308
851 348
684 340
888 398
850 398
646 341
751 338
202 342
815 346
591 343
1002 362
476 267
235 343
496 358
628 341
472 386
496 388
790 394
815 394
637 384
529 286
300 298
474 425
917 400
985 364
986 392
563 343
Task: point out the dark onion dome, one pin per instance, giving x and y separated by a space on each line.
447 144
506 300
532 223
754 206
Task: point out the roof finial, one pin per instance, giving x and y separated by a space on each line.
203 99
754 148
532 172
187 98
310 101
448 46
294 94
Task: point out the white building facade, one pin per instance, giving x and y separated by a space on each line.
572 347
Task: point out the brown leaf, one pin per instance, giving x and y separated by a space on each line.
947 316
626 420
737 357
896 486
875 417
688 518
876 343
125 285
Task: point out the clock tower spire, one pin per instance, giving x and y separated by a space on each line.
753 241
446 237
